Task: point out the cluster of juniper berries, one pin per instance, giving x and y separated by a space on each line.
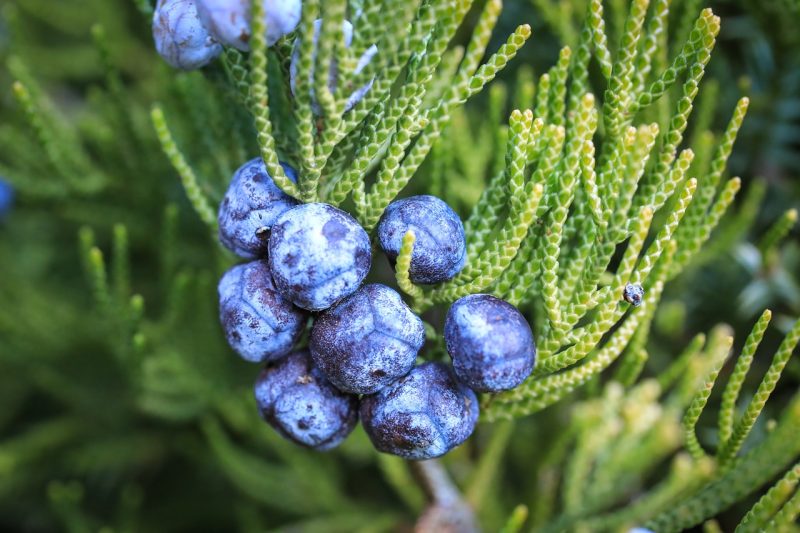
309 261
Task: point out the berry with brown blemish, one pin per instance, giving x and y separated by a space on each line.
259 323
294 398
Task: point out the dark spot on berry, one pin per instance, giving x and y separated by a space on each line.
334 230
291 260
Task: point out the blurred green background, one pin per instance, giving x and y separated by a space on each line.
156 431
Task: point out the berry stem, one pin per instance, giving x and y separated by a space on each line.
447 510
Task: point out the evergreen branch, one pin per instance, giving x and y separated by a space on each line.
540 109
616 95
759 515
701 398
456 96
786 518
698 40
403 266
303 114
260 103
599 39
558 89
649 48
743 426
731 395
751 471
197 197
776 233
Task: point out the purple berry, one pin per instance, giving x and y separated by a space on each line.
333 71
259 323
295 398
368 340
318 255
180 37
229 20
250 207
440 247
422 415
491 343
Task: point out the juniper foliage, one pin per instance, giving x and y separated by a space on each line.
608 170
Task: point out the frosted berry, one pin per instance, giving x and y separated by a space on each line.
318 255
6 197
295 398
422 415
333 72
367 340
490 342
259 323
229 20
180 37
633 294
250 207
440 247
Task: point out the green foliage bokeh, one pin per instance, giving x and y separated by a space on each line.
124 409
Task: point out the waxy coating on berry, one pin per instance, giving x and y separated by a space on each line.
318 255
491 343
251 205
440 246
180 36
333 72
295 398
6 197
633 294
422 415
368 340
229 20
259 323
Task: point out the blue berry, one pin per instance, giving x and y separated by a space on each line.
633 294
259 323
368 340
490 342
180 37
250 207
295 398
422 415
318 255
440 247
229 20
6 197
333 72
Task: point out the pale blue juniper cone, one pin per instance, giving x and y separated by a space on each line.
251 205
6 197
180 36
491 343
333 72
318 255
633 294
440 246
229 20
423 415
299 403
368 340
259 323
